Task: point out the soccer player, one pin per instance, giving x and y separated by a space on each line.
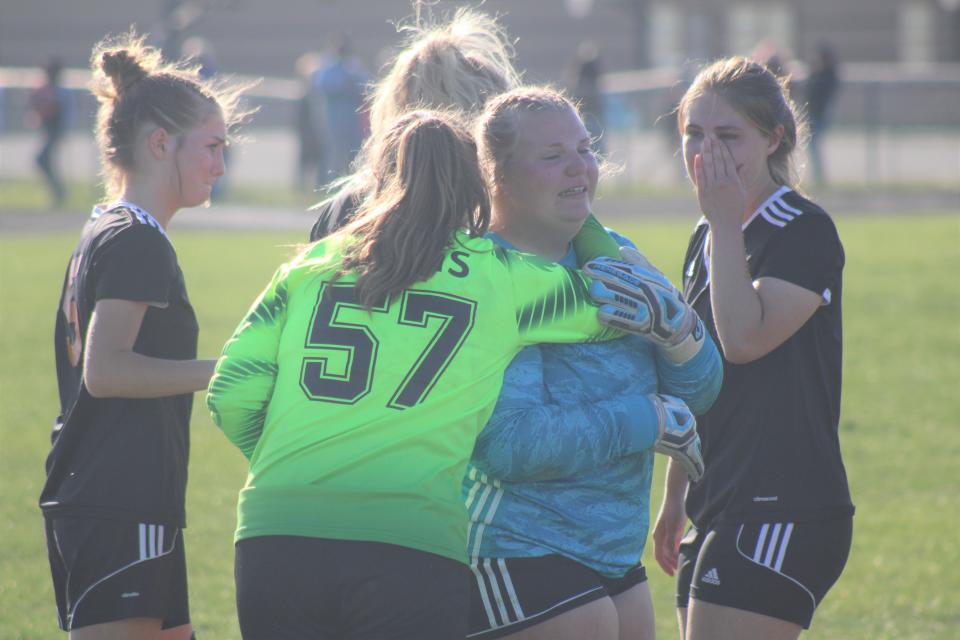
558 488
357 385
458 64
771 517
126 349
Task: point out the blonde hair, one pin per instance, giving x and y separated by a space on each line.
134 88
427 185
498 126
461 63
754 92
456 64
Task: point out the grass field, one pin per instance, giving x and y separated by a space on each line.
900 428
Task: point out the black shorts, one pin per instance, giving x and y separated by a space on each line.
107 570
510 594
779 569
291 587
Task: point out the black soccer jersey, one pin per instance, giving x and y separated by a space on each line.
336 213
121 458
770 441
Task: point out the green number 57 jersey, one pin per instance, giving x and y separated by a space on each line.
359 423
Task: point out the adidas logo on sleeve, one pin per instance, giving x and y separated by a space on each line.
711 577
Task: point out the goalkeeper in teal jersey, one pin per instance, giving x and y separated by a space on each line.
357 385
558 486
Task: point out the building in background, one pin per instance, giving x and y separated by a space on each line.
264 38
900 77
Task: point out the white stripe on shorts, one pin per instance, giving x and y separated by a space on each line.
72 611
783 546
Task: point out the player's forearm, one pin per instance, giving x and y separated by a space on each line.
696 381
737 307
126 374
675 489
512 445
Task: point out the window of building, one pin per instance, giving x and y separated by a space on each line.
666 36
751 23
917 32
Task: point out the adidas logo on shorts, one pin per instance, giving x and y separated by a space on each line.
711 577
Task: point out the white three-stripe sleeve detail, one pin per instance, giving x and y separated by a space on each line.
152 541
780 210
783 205
472 493
486 520
783 546
769 218
779 213
772 547
160 538
474 517
758 551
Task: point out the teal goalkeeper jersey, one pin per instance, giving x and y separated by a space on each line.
359 424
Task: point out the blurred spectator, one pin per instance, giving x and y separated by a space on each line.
586 75
49 110
822 84
342 81
177 17
666 121
201 52
308 123
768 54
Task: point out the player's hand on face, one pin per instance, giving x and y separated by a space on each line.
720 192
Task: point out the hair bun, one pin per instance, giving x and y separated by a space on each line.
123 69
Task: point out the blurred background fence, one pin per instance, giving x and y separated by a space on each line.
895 119
891 124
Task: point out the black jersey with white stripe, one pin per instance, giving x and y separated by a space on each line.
770 441
121 458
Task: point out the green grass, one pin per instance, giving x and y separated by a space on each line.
899 425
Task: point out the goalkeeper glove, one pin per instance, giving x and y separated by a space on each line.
677 434
635 297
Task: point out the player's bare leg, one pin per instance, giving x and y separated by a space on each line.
132 629
635 611
595 620
708 621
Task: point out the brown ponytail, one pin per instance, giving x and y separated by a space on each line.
123 69
427 186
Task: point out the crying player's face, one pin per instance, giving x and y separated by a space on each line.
199 159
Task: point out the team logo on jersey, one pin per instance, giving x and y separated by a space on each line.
71 315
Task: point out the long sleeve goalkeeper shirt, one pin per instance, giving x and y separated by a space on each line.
359 423
564 465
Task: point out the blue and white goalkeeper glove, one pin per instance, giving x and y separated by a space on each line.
677 434
634 296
